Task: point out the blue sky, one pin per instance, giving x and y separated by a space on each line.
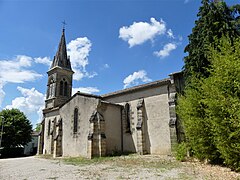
113 44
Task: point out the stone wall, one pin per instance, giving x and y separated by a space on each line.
76 144
112 117
153 134
50 119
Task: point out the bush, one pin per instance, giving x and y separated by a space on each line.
182 151
210 108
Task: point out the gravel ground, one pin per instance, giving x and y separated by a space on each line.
126 167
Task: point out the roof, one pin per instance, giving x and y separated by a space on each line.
46 110
81 94
137 88
35 133
87 95
61 59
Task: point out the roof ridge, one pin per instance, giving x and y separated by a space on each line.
135 88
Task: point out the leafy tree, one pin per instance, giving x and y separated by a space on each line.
192 111
210 107
38 127
216 20
17 128
222 90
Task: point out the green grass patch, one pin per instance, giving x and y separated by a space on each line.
86 161
126 162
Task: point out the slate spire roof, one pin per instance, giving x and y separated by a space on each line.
61 59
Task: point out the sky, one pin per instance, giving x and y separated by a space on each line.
112 44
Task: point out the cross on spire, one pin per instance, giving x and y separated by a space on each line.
64 24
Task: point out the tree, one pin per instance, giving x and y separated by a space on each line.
216 20
222 89
198 130
38 127
210 107
17 128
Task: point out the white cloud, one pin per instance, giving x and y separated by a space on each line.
31 102
15 71
170 34
45 60
106 66
79 50
166 50
89 90
90 74
135 78
78 74
2 93
140 32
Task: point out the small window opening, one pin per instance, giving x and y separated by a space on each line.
75 121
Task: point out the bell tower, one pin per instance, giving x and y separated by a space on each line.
59 86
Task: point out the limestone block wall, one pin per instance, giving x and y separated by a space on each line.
155 123
76 144
57 152
112 118
50 118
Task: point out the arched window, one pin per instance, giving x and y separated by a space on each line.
51 88
128 116
75 120
61 88
65 88
48 91
49 127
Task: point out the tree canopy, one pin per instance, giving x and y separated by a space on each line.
215 20
17 128
209 108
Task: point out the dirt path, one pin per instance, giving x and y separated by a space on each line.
35 168
125 167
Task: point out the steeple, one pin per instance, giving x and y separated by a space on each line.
61 59
59 86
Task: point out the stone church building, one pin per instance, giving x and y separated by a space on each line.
139 119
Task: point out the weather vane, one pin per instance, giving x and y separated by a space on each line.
64 24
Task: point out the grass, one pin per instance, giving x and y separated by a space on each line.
125 162
131 166
125 167
45 156
86 161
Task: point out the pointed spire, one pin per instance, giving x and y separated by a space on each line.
61 59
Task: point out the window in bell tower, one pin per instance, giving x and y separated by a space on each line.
61 88
51 89
65 88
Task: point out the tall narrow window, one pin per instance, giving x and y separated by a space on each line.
61 88
75 121
65 88
49 127
127 112
51 89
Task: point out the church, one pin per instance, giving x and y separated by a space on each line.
139 119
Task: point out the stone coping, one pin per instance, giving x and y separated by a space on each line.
137 88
